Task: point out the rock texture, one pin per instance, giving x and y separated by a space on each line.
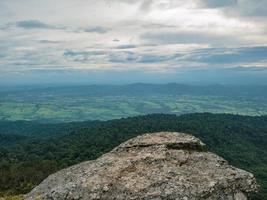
152 166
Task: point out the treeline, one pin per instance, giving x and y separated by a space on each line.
25 162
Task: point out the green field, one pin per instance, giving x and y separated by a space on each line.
89 104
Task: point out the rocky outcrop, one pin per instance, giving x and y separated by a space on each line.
152 166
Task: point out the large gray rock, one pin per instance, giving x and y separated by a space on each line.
152 166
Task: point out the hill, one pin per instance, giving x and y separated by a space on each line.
242 140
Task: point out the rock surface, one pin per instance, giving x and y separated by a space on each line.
152 166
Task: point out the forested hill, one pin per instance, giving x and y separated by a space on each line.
29 158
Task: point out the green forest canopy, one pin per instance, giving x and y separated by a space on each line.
28 154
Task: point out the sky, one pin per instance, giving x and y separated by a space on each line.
123 41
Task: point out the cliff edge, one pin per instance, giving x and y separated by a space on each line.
157 166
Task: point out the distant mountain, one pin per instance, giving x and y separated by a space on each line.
106 102
148 89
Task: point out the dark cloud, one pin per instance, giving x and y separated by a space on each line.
238 7
83 56
158 26
96 29
150 58
49 42
218 3
33 24
123 57
251 8
36 24
131 57
185 38
127 46
72 53
230 56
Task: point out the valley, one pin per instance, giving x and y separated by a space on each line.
96 102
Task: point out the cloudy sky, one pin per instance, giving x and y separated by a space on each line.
121 39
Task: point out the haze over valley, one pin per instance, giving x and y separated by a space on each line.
105 102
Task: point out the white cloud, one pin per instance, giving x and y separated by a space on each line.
143 34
